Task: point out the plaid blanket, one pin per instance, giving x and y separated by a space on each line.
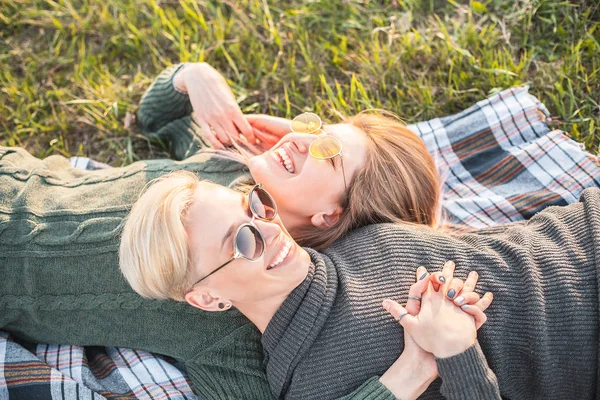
500 163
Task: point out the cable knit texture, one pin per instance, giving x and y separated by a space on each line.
540 340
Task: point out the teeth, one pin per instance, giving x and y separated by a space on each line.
286 161
282 254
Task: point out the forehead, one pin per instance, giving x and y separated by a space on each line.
353 139
214 210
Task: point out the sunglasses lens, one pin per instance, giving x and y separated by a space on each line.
325 147
249 242
262 204
306 123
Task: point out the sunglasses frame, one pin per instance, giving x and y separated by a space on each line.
321 134
236 251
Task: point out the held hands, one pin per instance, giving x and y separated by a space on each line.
215 107
441 327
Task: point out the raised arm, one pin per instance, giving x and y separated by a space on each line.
450 334
191 107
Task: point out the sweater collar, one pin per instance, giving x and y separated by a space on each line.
298 322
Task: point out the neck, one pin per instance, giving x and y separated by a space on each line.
261 313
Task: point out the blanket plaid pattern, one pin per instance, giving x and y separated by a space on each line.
500 163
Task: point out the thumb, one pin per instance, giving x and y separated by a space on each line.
400 314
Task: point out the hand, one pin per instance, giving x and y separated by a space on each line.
269 130
461 293
415 369
441 328
215 107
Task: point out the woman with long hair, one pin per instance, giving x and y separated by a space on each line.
326 164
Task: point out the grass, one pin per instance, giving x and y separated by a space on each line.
71 70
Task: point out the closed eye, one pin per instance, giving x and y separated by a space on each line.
332 162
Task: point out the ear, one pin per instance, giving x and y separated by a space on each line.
204 301
325 220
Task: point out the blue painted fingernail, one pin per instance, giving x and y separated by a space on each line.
451 293
423 276
442 279
465 307
459 300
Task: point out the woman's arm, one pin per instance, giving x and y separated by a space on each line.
450 334
219 381
232 368
165 112
162 103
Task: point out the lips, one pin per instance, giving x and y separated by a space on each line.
282 255
285 159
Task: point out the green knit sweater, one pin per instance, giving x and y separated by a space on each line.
541 337
59 237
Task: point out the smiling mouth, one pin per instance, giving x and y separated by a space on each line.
285 160
285 251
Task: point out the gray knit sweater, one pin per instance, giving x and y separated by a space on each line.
541 338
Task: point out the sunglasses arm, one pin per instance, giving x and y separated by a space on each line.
221 267
344 173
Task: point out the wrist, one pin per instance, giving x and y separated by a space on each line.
452 349
179 79
407 378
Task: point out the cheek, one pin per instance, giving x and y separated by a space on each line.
244 281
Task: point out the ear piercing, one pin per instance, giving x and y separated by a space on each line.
224 305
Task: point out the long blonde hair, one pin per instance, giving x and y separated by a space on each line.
399 182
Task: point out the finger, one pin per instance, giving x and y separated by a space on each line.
413 303
244 126
266 137
471 282
447 275
478 315
210 136
399 313
485 301
448 270
453 288
220 133
466 298
230 130
439 279
436 280
256 120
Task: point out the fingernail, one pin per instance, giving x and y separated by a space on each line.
423 276
451 293
442 279
450 263
465 307
386 306
459 300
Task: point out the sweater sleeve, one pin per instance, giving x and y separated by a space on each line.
233 368
372 389
468 376
165 116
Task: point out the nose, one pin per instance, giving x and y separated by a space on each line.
269 229
301 141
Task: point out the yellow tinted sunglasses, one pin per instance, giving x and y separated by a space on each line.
324 146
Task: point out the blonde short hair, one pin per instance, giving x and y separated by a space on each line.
154 256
